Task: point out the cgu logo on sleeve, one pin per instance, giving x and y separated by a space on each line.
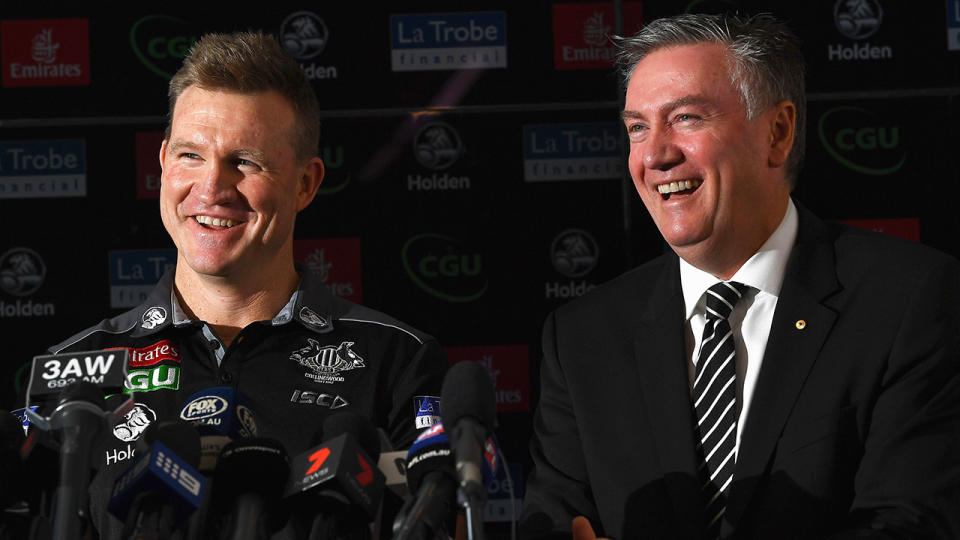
154 367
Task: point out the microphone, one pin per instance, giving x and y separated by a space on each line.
341 477
247 485
40 465
73 385
468 410
220 415
432 478
158 493
11 471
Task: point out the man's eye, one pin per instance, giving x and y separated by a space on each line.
189 155
246 163
687 118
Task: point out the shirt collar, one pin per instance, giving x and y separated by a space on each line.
311 304
762 271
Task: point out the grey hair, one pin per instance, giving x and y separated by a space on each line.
765 62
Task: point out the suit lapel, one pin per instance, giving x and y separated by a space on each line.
801 324
661 359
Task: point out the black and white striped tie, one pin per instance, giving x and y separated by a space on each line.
715 400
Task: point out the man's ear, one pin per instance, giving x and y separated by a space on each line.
783 125
310 179
163 153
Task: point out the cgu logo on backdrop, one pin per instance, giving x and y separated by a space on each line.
444 268
161 42
336 176
859 140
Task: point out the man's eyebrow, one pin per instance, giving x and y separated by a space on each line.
669 106
250 153
177 146
246 153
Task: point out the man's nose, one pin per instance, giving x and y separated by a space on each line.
660 151
216 184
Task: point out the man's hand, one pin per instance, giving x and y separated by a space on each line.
582 530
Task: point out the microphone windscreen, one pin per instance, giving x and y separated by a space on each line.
359 427
11 431
430 452
258 465
180 436
11 470
468 391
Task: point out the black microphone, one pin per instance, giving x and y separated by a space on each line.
77 382
339 477
41 467
432 479
82 421
247 485
157 494
11 469
220 415
469 412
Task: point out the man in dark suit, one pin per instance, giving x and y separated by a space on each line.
773 377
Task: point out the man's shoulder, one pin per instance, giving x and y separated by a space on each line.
860 251
101 334
371 320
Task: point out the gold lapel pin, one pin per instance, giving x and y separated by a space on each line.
801 324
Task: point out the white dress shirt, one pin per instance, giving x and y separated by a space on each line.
751 317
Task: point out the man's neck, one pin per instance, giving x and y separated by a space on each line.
228 305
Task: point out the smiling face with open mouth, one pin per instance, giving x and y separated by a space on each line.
703 170
231 185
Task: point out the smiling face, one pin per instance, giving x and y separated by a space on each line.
231 185
712 180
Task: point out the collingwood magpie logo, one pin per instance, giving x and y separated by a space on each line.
308 316
327 362
134 423
153 317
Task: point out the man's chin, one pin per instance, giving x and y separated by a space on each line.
204 267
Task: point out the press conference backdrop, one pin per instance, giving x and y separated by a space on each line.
475 160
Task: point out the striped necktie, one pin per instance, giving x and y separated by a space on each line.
715 400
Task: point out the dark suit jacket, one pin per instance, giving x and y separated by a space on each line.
854 425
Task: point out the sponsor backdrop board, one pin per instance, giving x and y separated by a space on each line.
476 164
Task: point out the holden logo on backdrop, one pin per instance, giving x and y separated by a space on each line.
304 35
21 272
444 268
861 140
574 253
857 19
437 146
